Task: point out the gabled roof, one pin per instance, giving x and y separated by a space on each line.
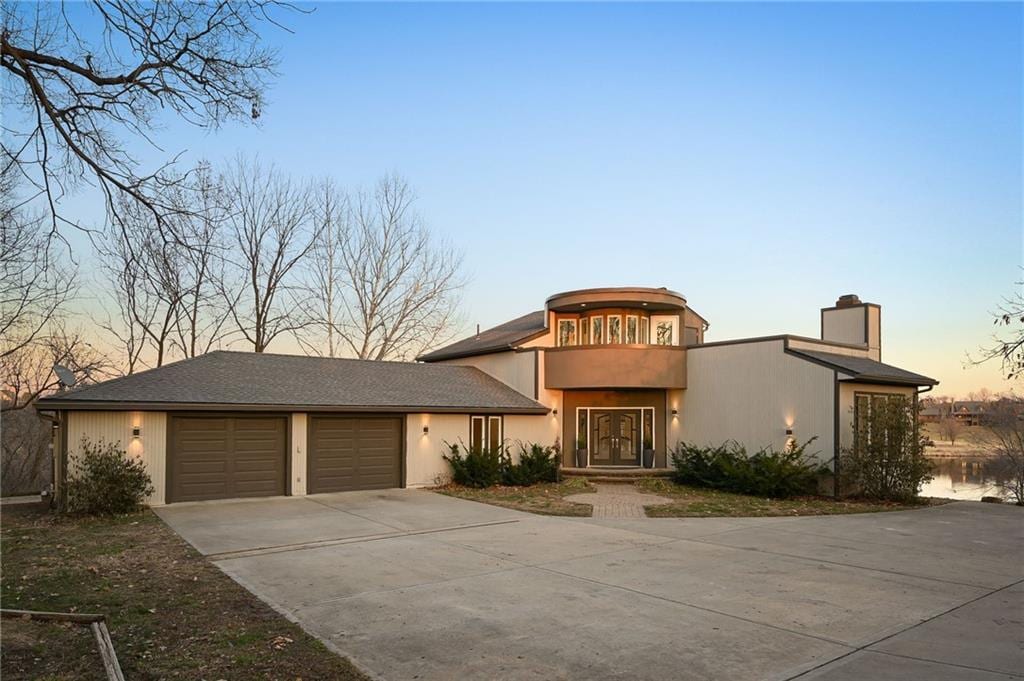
502 337
251 381
865 370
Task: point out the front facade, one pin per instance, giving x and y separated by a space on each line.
616 377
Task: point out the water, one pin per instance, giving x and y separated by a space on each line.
967 478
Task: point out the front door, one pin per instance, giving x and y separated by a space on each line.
615 437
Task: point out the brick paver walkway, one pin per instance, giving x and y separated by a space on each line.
618 500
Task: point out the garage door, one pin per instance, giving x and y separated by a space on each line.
350 453
222 457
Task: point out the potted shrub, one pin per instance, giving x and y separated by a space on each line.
648 454
581 453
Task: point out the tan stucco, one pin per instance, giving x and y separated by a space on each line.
116 427
516 369
753 392
615 366
298 445
859 324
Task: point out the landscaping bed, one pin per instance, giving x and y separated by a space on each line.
542 498
171 613
699 502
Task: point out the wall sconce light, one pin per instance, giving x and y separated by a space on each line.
136 431
554 412
789 431
426 430
675 412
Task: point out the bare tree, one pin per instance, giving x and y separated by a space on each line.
35 283
270 233
79 99
324 272
400 285
1007 345
24 452
950 428
1007 437
28 373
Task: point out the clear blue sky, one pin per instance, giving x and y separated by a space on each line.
760 159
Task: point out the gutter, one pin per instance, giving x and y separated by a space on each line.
104 405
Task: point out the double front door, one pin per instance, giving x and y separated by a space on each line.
615 437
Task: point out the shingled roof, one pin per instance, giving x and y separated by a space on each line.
866 370
251 381
502 337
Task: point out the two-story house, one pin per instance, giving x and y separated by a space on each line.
616 377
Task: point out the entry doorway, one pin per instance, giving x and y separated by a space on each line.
615 437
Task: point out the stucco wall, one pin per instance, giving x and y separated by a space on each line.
751 393
515 369
298 445
116 427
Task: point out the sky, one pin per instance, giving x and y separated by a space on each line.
760 159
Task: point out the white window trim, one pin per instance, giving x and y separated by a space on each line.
575 328
657 319
608 337
597 320
636 326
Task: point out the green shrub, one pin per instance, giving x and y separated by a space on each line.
536 464
104 480
888 458
728 467
475 467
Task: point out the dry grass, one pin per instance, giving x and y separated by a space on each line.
172 614
543 499
698 502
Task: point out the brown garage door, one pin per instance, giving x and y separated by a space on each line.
222 457
350 453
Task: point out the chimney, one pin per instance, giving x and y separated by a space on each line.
853 322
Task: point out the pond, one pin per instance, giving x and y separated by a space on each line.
967 478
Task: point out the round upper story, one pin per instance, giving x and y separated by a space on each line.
623 316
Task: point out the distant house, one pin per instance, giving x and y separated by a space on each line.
973 412
933 413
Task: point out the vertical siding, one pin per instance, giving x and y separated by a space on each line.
424 462
753 392
515 369
299 451
528 429
845 325
116 427
847 391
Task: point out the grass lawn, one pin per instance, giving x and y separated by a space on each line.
544 499
698 502
171 613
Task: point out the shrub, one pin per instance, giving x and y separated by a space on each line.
104 480
728 467
475 467
486 467
888 458
536 464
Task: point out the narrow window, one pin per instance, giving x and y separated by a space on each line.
597 330
645 330
477 426
494 434
584 332
665 332
631 329
614 329
566 332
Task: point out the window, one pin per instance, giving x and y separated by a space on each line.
631 329
486 431
645 330
665 330
566 332
597 330
584 332
691 336
866 429
614 329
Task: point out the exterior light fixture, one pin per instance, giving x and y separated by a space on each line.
136 431
789 431
675 412
554 412
426 429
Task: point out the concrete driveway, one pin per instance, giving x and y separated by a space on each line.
414 585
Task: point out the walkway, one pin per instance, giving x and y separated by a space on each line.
618 500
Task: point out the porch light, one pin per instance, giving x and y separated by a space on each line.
789 432
675 412
554 412
136 432
426 430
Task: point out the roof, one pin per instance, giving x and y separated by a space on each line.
502 337
262 381
865 370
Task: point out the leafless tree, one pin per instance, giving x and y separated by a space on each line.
78 100
1007 344
1007 437
35 282
324 272
28 373
400 285
270 233
950 428
24 452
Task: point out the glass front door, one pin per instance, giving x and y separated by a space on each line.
615 437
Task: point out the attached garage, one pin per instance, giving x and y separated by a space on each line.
354 452
223 457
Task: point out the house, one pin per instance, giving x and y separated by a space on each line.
613 373
972 412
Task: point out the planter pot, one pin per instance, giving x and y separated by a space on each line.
648 458
581 458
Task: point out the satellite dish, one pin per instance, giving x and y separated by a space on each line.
65 376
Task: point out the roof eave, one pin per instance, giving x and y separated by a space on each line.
109 405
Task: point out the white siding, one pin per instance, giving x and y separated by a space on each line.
800 344
298 445
845 325
515 369
753 392
116 427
